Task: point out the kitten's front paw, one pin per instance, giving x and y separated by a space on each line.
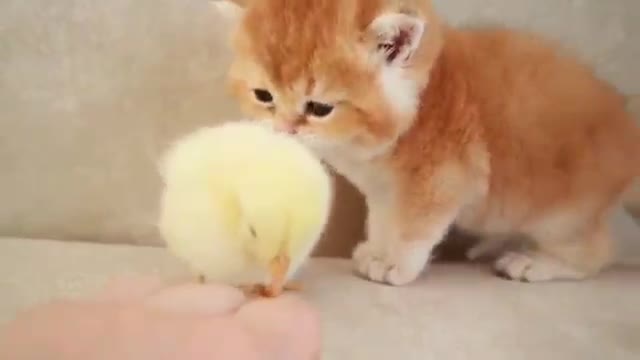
397 265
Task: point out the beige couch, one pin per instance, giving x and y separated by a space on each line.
91 92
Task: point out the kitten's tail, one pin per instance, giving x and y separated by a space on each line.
625 225
631 199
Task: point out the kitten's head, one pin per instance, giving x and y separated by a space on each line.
334 72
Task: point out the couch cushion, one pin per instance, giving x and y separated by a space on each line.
453 312
603 33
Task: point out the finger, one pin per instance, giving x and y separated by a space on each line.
129 289
210 299
284 328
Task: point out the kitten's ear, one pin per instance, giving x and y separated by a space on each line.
397 37
232 11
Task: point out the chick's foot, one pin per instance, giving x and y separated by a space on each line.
262 290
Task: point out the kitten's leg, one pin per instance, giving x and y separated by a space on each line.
560 256
485 246
392 256
490 245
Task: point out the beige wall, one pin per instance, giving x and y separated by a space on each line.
605 33
92 91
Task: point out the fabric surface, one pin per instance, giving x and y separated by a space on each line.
453 312
91 92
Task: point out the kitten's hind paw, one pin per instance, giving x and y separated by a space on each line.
533 267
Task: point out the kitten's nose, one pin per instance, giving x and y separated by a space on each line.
291 124
288 128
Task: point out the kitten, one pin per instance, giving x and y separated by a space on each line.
495 131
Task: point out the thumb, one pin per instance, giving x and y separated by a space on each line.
283 328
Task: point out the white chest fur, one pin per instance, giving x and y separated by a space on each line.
371 179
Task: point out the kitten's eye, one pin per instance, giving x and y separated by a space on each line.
263 95
318 109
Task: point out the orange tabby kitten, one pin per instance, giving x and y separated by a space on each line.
493 130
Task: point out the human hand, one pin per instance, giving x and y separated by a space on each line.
142 319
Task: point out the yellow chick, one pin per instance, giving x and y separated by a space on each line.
243 204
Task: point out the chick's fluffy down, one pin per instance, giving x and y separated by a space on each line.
219 179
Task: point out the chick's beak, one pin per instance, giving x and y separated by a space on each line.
278 268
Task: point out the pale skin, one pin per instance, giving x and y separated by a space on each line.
145 319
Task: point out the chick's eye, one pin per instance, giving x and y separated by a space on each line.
263 95
253 232
318 109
